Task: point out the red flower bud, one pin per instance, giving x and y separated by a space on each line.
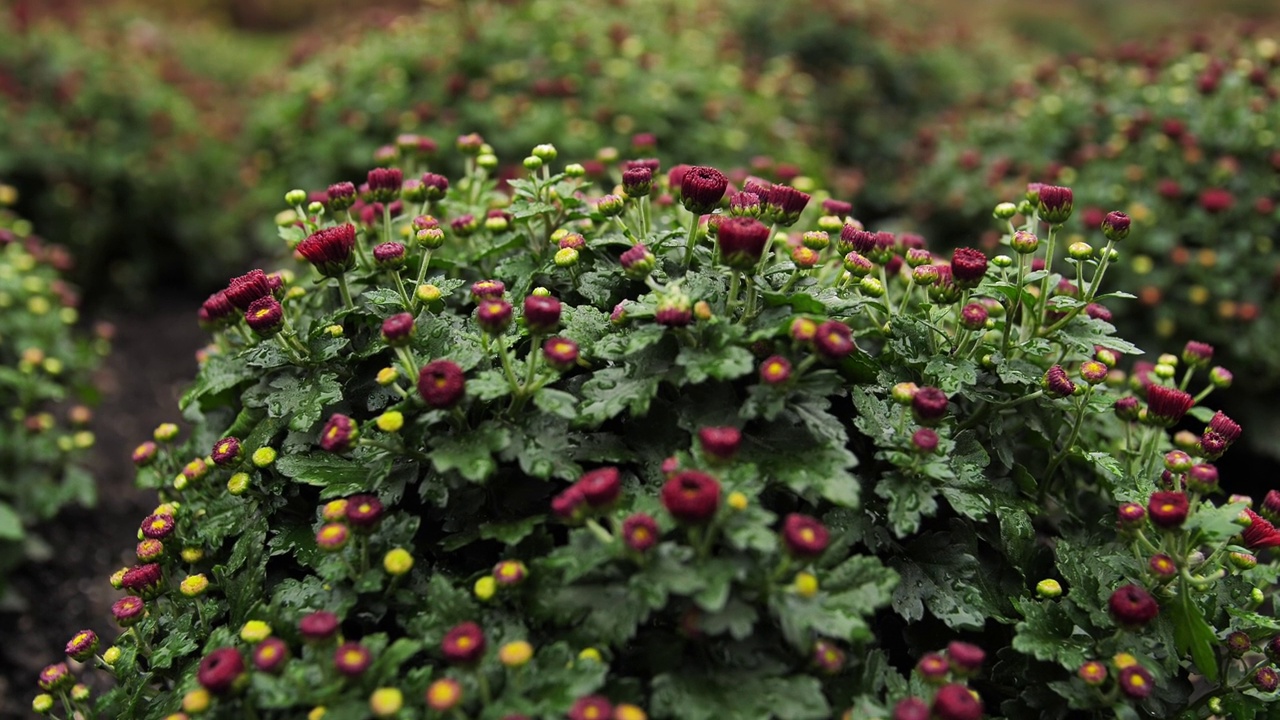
702 188
1132 607
270 655
601 487
1136 682
226 451
243 290
1055 204
319 625
640 532
220 669
441 383
591 707
929 405
541 314
352 659
968 267
363 511
464 644
691 496
397 330
833 340
742 242
128 610
1168 509
338 434
805 536
720 443
330 249
955 702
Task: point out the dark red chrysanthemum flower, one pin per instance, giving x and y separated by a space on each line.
1115 226
270 654
742 242
702 188
911 709
1260 534
243 290
265 316
1055 204
640 532
319 625
220 669
1168 509
1136 682
833 340
1132 606
541 314
966 658
82 645
330 249
968 267
384 184
775 370
352 659
1270 507
720 443
956 702
783 204
933 668
1166 405
217 311
128 610
691 496
560 353
493 315
143 580
389 255
591 707
338 434
929 405
441 383
364 511
341 195
157 527
600 487
397 330
226 451
570 504
1057 384
464 644
637 181
805 536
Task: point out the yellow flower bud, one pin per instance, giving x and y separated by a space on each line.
117 578
192 555
264 456
195 585
386 702
196 701
397 561
111 655
486 587
515 654
255 631
390 421
590 654
806 585
165 432
335 510
628 712
1124 660
316 713
387 375
737 501
238 483
334 330
42 703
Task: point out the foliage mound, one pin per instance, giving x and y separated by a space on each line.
100 133
640 450
1184 140
45 387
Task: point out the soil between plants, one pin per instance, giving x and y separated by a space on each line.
152 360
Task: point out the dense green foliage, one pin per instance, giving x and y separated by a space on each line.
673 473
44 380
1184 140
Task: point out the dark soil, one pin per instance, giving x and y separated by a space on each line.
153 359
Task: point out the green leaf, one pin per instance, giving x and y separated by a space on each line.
610 392
1193 635
322 469
1046 632
511 533
738 695
302 399
10 523
1214 524
724 363
471 454
556 402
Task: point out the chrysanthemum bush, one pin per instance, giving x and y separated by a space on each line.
671 75
46 389
112 156
1182 138
665 448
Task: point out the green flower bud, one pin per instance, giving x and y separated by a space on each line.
295 197
545 151
871 287
488 161
1080 251
533 162
1002 261
1049 588
315 208
575 170
566 257
1004 211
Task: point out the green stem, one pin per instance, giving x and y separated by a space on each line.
346 292
506 366
598 530
691 240
1071 441
732 302
422 277
404 296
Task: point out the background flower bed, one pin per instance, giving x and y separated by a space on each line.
1185 140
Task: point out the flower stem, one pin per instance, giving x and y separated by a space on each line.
346 292
691 240
422 276
1071 440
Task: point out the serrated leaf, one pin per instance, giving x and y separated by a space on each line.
303 399
321 469
471 454
556 402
